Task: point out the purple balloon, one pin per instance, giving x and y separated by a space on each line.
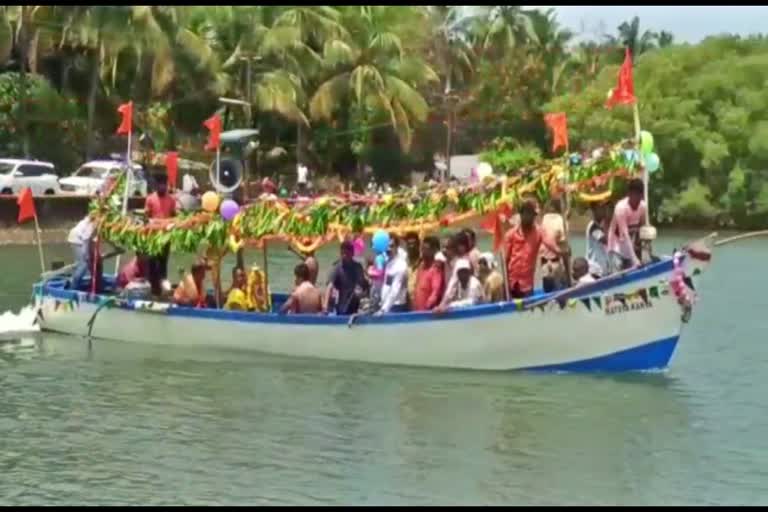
229 209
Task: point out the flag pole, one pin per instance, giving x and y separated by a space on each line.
126 194
218 166
39 244
636 118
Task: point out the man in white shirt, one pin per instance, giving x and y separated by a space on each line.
460 243
79 239
468 292
394 292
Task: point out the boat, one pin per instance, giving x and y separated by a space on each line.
631 321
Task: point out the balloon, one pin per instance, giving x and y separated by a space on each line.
646 142
484 170
575 159
210 201
359 245
380 242
631 156
229 209
652 163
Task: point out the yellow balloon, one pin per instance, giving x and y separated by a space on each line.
210 201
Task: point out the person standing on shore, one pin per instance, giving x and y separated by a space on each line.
159 205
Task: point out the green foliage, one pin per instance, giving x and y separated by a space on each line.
706 106
506 154
55 131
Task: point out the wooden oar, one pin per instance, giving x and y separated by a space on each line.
742 236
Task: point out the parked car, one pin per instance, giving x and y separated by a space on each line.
15 174
92 176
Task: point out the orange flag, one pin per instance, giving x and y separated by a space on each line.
214 126
492 223
624 92
172 166
126 125
26 205
558 123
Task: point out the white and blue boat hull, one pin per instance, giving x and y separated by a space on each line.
631 322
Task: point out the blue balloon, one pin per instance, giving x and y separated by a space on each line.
381 261
575 159
380 241
631 156
652 163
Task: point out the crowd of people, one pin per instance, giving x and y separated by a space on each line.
413 274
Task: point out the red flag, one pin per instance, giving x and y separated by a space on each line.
558 123
26 205
126 125
624 93
493 223
172 166
214 126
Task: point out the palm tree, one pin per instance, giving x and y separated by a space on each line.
666 39
371 72
508 27
550 46
631 37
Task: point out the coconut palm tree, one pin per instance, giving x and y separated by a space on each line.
550 47
508 27
666 39
372 71
630 36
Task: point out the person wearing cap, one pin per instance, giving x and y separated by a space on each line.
159 205
394 292
348 280
491 278
628 217
191 290
468 292
522 244
430 280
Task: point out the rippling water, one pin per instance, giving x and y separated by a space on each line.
123 424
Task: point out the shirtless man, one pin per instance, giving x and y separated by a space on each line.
305 297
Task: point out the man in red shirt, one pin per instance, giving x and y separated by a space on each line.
159 205
430 280
522 244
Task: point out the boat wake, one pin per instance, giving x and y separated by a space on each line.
14 324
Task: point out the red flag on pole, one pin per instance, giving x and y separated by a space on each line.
172 166
126 125
493 223
214 126
558 123
26 205
624 93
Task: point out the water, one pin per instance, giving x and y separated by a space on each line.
124 424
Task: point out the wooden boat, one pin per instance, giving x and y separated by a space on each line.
631 321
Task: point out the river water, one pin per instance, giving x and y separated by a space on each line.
121 424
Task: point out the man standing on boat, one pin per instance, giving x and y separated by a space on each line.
80 240
522 243
623 234
159 205
597 241
430 280
394 293
348 280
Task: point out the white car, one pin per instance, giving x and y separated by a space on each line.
15 174
91 177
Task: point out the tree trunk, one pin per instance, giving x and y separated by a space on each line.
92 90
23 50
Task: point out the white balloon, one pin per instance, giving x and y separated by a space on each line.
484 170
